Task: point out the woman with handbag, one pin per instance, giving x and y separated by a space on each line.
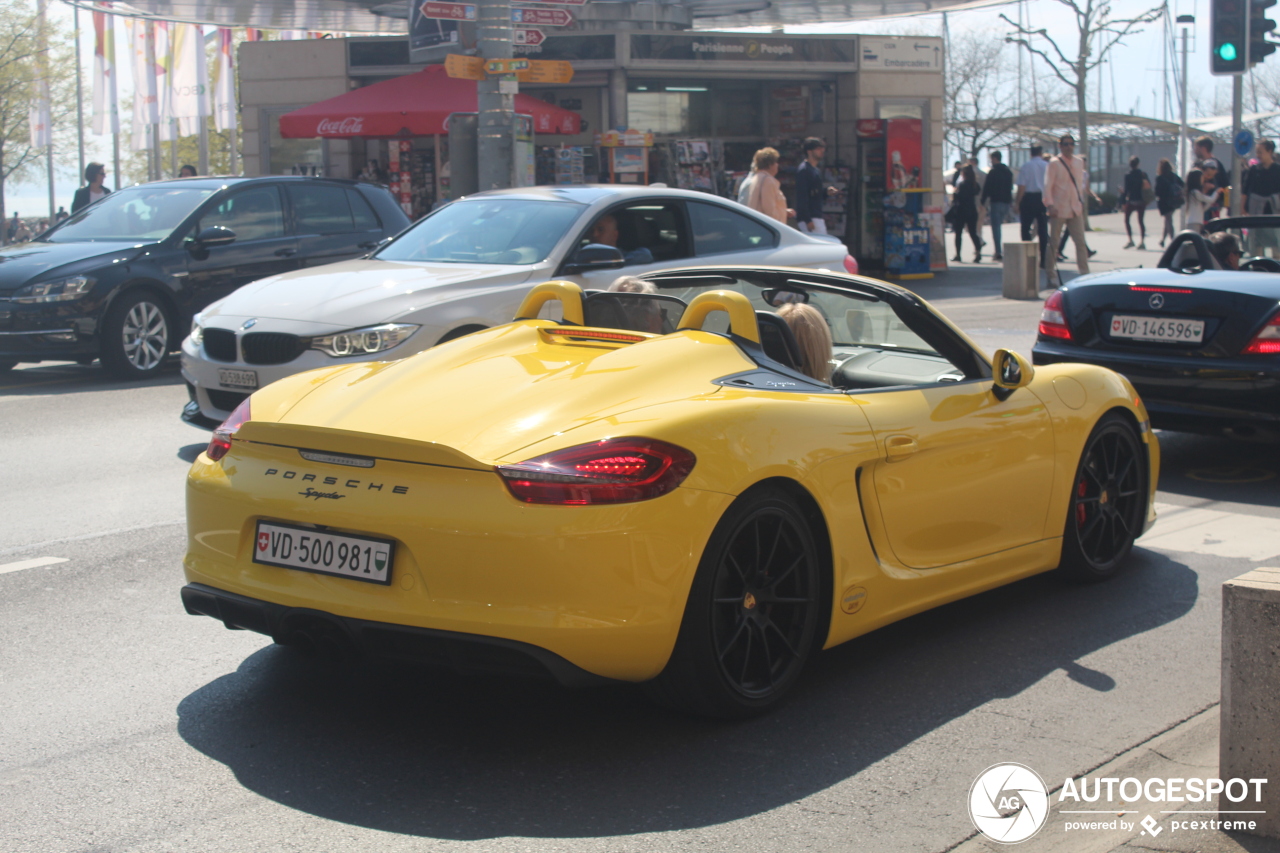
1136 195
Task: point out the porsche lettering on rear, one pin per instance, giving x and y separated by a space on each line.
333 481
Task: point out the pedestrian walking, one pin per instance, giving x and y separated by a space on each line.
966 212
61 214
1203 148
94 175
997 196
766 195
1030 201
1262 181
14 224
1136 194
1064 183
1202 193
810 194
1170 196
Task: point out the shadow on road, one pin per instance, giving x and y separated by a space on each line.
1220 469
71 378
439 755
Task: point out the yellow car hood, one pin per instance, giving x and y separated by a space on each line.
492 393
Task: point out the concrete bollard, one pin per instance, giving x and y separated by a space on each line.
1021 270
1249 744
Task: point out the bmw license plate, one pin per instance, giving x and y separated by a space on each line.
1157 329
361 558
238 379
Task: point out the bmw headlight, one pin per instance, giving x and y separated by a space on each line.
364 341
59 290
197 331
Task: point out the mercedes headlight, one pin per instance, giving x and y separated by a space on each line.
59 290
364 341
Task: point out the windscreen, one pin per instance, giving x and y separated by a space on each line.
855 319
486 231
135 214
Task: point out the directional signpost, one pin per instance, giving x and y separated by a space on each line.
448 11
540 17
464 67
529 38
547 71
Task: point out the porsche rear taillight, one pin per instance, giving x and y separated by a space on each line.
1052 322
615 470
1267 341
221 441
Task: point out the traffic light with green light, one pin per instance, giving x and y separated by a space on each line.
1228 35
1259 27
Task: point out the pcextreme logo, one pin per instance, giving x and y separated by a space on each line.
1008 803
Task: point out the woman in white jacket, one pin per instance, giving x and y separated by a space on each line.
1198 201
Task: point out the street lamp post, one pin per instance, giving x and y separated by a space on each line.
496 107
1186 21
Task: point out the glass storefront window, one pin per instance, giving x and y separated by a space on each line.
724 109
291 156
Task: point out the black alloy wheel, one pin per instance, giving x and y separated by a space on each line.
1108 502
752 615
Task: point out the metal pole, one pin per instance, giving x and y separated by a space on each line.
496 106
115 157
1237 162
204 143
80 93
1182 130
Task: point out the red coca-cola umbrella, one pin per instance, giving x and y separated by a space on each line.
414 105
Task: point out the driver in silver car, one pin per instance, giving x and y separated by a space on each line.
1226 249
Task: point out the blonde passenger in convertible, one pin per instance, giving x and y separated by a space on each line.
813 336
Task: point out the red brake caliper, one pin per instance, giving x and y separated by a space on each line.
1080 506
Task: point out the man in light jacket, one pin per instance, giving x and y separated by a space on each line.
1064 184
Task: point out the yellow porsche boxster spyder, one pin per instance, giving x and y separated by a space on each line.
646 487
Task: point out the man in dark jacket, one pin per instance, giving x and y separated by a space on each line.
997 195
810 195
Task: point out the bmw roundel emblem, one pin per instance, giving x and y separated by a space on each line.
253 321
1156 301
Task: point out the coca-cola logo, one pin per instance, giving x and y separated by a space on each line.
344 127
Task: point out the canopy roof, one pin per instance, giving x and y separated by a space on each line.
416 104
381 16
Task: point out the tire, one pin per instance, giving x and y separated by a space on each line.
1108 502
460 332
136 336
753 610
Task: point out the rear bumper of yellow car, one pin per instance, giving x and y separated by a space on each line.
478 579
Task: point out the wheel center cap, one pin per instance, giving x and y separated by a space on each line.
749 602
1104 497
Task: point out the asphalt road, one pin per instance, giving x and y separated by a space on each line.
130 726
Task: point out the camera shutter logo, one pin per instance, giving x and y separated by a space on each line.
1008 803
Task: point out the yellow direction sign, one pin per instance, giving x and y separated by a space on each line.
547 71
464 67
505 66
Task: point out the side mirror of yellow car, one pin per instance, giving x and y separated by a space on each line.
1011 371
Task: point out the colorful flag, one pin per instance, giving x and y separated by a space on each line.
146 105
39 117
106 109
186 97
225 114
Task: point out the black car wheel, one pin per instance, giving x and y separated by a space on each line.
1108 502
752 613
135 336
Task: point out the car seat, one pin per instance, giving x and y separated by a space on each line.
778 341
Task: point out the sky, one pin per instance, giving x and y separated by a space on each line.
1132 78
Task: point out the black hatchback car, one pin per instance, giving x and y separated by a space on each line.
121 279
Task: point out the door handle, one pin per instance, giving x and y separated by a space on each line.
286 253
368 244
899 447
